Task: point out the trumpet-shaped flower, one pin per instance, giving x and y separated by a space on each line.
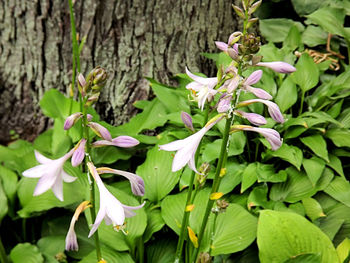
186 148
253 118
111 209
273 108
137 183
51 174
252 79
71 237
278 66
202 88
272 136
120 141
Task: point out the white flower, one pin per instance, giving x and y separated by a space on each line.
202 88
51 174
111 209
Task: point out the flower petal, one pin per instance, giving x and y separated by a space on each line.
45 183
36 171
253 78
100 215
67 178
41 158
125 141
57 188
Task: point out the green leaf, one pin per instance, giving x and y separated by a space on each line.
249 176
291 235
307 73
155 222
110 154
9 181
258 197
170 97
304 7
109 255
162 250
340 137
330 19
267 173
157 175
335 163
291 154
232 178
287 94
314 36
293 39
3 203
314 168
343 250
339 189
51 246
276 29
317 144
305 258
235 230
312 208
54 104
26 252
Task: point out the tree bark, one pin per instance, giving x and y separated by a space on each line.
132 39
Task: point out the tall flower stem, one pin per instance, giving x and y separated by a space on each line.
92 184
216 184
186 214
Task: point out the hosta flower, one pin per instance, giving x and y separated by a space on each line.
252 79
79 153
71 237
186 148
202 88
100 131
111 209
253 118
51 174
278 66
137 184
272 136
272 107
120 141
187 120
69 122
224 103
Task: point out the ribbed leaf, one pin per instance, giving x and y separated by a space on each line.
314 168
26 252
317 144
283 236
312 208
339 189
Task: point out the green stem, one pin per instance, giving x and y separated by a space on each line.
301 102
186 214
74 36
141 250
3 256
216 184
92 184
213 232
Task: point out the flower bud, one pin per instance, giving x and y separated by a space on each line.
204 257
253 118
79 153
100 131
71 120
238 11
224 104
187 120
221 45
89 117
253 78
254 7
278 66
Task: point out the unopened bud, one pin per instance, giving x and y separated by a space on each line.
204 257
187 120
222 205
256 60
100 131
251 22
238 11
71 120
233 54
92 99
254 7
89 117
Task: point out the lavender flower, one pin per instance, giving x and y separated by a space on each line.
224 103
278 66
187 120
137 183
253 118
202 88
252 79
186 148
272 108
100 131
120 141
272 136
79 153
71 120
111 209
51 174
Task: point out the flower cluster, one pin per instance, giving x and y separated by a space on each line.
51 173
229 85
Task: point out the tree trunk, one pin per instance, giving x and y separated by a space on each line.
132 39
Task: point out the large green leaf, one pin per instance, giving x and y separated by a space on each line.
155 222
3 202
307 73
51 246
340 137
287 94
330 19
291 235
312 208
109 255
157 175
291 154
343 250
317 144
26 252
339 189
276 29
314 168
162 250
304 7
9 181
249 176
235 230
314 36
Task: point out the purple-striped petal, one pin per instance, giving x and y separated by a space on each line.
278 66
